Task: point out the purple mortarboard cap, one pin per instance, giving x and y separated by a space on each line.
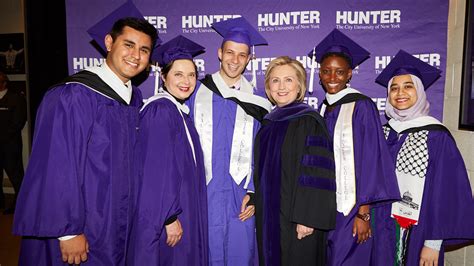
178 48
337 42
404 63
103 27
239 30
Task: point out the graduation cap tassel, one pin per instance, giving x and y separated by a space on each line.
157 78
311 75
254 69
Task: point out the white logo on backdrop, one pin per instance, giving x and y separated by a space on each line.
311 101
368 20
202 23
80 63
382 61
380 103
159 22
261 63
292 20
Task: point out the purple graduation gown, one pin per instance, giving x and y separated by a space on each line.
447 208
80 178
295 184
172 185
375 178
231 241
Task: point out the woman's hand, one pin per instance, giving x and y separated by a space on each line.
174 232
362 228
303 231
429 257
74 250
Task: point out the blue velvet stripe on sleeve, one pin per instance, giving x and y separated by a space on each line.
318 161
319 141
318 164
317 182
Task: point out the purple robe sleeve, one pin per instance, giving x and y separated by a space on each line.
158 198
375 172
447 201
51 202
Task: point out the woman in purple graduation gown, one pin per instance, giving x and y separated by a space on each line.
437 205
170 226
364 177
294 173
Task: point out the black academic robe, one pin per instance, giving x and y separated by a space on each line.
295 184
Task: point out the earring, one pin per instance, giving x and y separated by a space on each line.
320 83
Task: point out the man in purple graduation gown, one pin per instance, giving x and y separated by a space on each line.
80 182
226 115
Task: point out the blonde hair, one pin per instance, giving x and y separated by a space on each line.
300 75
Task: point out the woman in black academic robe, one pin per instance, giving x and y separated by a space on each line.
294 173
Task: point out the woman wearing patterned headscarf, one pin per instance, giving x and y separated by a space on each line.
437 206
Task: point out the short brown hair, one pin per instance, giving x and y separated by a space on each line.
300 75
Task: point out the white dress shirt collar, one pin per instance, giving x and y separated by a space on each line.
332 98
124 90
